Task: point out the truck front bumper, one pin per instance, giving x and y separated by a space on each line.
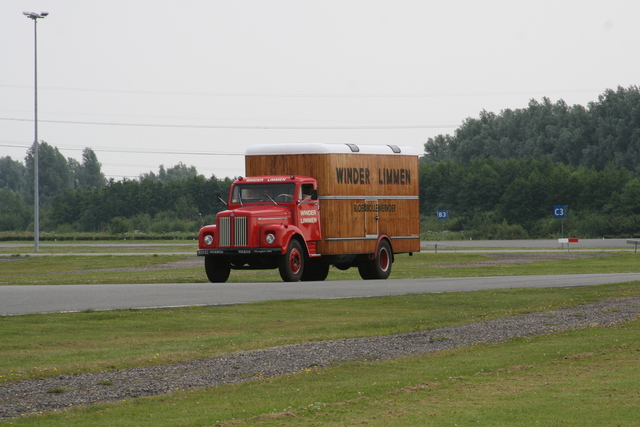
238 251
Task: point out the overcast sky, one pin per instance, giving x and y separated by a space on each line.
145 83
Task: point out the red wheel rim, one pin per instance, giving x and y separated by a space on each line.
384 259
294 261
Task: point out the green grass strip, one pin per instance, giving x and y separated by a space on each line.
42 345
586 377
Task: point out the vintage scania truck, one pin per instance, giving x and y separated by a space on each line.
304 207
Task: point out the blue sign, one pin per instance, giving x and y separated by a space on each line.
559 211
443 214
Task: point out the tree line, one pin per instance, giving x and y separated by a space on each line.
145 205
499 175
76 196
502 173
56 175
607 131
486 198
509 199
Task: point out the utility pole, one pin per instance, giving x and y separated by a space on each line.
36 191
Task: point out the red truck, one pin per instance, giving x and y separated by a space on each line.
304 207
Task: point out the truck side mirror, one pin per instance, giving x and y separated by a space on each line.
219 196
314 194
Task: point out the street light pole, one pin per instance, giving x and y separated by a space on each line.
36 192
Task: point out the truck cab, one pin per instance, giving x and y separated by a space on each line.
270 222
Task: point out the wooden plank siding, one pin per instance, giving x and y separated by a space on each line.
361 196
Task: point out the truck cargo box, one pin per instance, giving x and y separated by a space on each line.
365 191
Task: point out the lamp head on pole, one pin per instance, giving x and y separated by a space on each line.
34 16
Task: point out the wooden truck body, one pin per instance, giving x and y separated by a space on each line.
345 205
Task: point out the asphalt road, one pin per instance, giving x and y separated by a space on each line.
68 298
65 298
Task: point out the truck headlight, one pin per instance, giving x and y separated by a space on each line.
208 239
270 238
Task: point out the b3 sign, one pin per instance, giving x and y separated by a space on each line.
559 211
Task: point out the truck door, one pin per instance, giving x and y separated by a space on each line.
370 217
308 213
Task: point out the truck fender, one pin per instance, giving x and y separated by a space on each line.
380 239
294 233
284 234
207 229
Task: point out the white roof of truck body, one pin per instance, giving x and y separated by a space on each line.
321 148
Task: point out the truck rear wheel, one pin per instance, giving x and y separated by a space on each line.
217 269
291 264
380 266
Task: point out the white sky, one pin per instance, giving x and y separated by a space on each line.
145 83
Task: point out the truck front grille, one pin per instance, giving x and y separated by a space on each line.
239 231
225 231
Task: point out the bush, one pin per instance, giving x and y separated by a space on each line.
141 222
119 225
492 231
64 229
14 213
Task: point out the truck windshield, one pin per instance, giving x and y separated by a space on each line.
270 193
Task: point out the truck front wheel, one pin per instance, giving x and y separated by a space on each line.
217 269
380 266
291 264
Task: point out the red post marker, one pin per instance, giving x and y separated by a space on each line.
567 241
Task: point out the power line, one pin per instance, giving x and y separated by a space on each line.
317 95
135 150
246 127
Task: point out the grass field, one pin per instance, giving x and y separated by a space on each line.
81 269
587 377
101 247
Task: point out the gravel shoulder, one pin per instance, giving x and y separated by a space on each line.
33 396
